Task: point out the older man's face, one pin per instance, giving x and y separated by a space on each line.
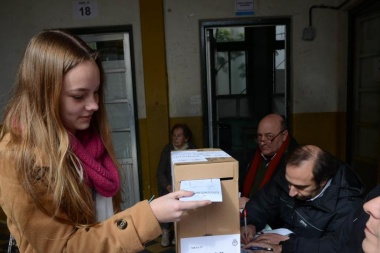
270 136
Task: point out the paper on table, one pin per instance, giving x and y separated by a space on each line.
204 189
280 231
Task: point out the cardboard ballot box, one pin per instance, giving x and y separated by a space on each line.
214 228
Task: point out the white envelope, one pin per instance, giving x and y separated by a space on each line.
204 189
211 244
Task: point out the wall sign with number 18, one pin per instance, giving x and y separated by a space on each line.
85 9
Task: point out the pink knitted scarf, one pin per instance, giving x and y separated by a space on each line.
100 172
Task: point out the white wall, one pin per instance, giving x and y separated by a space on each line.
22 19
318 66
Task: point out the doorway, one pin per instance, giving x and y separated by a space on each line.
245 75
363 135
115 46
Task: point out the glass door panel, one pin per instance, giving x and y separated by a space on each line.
116 59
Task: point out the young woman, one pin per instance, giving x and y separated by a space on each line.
59 178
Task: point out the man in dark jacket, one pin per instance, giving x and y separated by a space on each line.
312 197
274 143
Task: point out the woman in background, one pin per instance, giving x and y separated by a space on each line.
181 136
59 178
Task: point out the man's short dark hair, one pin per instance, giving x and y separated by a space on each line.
325 165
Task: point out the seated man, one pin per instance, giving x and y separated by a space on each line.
312 197
348 238
274 142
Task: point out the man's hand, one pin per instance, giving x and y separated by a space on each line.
242 202
276 248
247 233
271 238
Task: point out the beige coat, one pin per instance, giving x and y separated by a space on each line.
34 231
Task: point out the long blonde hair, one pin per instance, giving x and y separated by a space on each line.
40 146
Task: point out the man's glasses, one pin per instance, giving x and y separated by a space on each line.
267 138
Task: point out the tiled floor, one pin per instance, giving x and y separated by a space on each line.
151 247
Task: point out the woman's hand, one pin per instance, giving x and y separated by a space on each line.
169 208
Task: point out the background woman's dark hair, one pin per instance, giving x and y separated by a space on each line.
325 165
186 130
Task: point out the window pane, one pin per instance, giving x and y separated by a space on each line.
280 59
226 108
111 65
115 86
222 76
226 34
122 142
111 50
280 32
117 115
245 111
238 76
